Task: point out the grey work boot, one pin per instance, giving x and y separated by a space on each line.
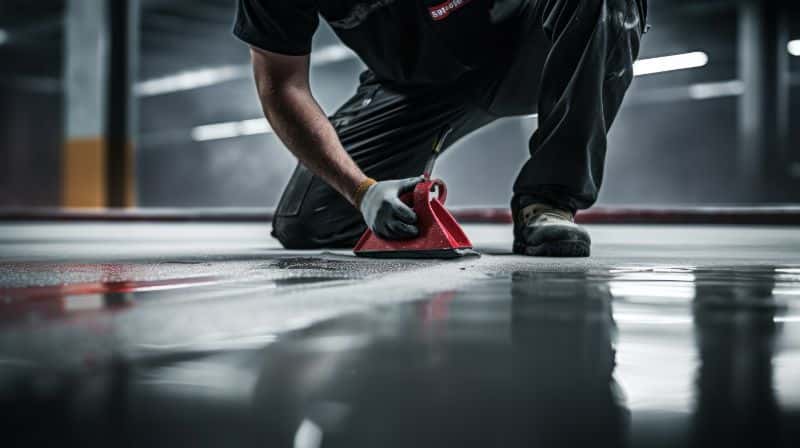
545 231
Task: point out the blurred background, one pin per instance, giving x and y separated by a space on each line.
151 103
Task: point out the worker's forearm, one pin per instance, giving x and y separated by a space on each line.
303 127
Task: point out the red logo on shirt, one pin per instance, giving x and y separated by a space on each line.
441 11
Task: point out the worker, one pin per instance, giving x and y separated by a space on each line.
432 63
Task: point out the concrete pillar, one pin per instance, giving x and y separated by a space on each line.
764 106
99 104
85 79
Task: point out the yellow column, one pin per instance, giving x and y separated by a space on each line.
98 168
84 172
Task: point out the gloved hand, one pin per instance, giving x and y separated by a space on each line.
385 213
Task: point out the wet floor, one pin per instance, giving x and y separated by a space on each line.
666 337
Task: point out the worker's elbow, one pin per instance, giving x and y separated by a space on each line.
268 87
277 102
271 92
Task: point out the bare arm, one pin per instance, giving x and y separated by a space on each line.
283 88
298 120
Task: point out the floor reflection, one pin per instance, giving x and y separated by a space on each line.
521 359
563 363
529 365
736 336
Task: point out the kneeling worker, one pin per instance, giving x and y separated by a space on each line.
432 63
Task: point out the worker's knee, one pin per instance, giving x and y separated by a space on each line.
331 231
610 18
291 233
622 18
624 21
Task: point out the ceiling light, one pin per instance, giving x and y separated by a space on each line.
192 79
670 63
231 129
794 47
209 76
711 90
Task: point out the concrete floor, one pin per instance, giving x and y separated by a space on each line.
208 335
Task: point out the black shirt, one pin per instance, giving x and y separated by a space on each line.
401 41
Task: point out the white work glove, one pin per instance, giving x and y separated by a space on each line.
385 213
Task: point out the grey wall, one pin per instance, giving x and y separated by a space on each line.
30 138
245 171
30 102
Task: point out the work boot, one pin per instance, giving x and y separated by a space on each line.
546 231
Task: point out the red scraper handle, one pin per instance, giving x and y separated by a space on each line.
422 193
440 236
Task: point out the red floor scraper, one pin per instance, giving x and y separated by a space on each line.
440 236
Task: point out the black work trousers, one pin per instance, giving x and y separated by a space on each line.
573 65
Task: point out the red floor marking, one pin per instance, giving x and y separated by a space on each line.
63 301
39 292
779 216
774 215
769 215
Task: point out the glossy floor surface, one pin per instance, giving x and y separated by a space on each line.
210 335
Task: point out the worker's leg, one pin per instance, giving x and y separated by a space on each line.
590 47
390 135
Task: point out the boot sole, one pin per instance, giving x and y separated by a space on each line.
572 249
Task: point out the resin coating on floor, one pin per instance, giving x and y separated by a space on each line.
211 335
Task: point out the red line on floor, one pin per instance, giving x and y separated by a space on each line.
770 215
38 292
